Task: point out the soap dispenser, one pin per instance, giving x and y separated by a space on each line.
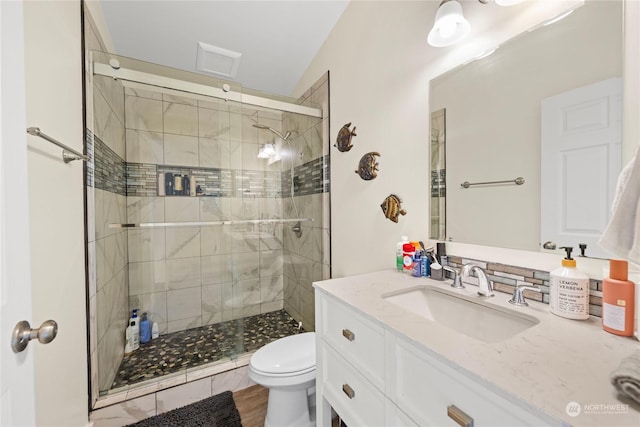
569 290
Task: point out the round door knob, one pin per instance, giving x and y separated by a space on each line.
23 333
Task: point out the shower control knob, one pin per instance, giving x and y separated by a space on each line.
23 333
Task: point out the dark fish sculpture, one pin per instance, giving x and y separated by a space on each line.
391 207
343 141
368 166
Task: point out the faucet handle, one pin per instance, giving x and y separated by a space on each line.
457 284
518 295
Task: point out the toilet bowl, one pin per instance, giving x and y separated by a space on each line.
287 367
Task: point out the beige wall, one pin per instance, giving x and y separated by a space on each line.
53 74
380 74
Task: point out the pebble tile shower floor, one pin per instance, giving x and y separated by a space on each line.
186 349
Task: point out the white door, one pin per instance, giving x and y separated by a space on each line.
581 161
17 404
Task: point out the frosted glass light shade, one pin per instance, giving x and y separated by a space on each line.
450 26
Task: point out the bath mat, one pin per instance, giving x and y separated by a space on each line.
217 411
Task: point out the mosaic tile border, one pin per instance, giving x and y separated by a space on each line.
90 177
506 277
309 178
142 179
109 169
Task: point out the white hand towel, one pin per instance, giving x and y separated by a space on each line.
622 235
626 377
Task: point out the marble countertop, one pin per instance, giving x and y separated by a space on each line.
546 367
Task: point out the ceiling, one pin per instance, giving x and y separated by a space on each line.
277 39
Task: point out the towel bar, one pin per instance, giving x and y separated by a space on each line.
68 153
518 181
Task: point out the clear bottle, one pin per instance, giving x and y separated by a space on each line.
569 290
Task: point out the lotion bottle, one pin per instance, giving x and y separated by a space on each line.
618 300
134 322
155 331
569 290
128 347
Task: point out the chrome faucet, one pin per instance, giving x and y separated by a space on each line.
484 283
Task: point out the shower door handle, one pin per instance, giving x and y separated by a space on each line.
23 333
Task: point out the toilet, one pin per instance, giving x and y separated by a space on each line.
287 367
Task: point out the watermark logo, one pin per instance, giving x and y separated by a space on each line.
573 409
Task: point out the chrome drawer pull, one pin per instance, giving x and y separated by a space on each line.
458 415
348 334
348 391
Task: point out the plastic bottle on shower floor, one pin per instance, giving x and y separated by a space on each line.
145 329
155 331
134 322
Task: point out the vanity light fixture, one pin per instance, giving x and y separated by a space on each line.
450 26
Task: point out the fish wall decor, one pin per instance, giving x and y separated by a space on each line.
392 207
368 166
343 141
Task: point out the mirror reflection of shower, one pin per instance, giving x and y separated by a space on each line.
297 227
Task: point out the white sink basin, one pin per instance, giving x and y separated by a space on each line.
467 315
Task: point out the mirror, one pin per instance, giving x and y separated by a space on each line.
494 132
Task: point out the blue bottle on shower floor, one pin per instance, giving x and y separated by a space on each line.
145 329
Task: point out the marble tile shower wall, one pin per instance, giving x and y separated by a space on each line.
194 276
307 258
108 278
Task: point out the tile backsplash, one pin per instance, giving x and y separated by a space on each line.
506 277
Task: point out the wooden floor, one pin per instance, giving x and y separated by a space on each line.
252 406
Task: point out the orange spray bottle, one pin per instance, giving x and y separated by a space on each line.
618 300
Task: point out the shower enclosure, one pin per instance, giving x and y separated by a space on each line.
207 209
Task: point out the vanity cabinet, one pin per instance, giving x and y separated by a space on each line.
373 376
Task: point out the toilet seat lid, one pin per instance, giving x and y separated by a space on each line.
290 354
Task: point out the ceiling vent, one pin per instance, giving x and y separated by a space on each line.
217 61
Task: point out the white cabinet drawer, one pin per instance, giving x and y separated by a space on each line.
425 387
358 340
395 417
357 401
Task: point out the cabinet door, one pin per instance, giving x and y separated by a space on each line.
433 393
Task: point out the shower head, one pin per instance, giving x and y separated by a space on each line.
284 137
